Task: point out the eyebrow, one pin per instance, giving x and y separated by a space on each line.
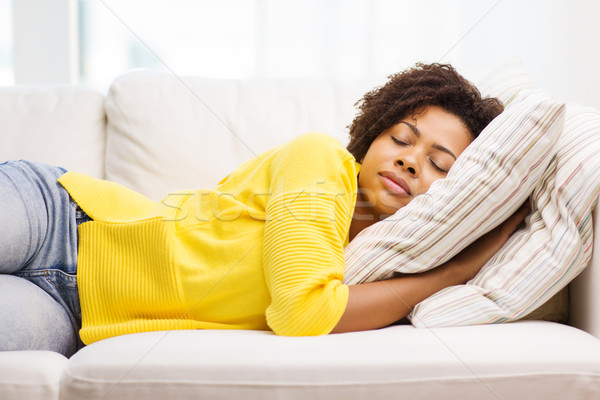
435 146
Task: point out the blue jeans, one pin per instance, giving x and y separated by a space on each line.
39 302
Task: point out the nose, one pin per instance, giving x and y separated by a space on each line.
408 164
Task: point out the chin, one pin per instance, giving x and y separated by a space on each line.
392 208
389 211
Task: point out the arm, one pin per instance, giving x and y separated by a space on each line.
307 218
377 304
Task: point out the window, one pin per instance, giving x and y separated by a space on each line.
342 39
208 38
236 38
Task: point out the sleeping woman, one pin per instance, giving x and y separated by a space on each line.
83 259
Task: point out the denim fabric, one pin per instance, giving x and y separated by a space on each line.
39 302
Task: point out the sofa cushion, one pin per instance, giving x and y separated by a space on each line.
529 359
60 125
30 375
167 133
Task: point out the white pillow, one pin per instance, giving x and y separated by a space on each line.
486 184
556 243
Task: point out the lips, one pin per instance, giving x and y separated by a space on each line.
394 183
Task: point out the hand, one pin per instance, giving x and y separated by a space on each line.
470 261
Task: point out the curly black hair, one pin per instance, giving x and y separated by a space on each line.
408 91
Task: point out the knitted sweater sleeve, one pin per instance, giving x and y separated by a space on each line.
313 181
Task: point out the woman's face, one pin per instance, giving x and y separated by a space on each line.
403 161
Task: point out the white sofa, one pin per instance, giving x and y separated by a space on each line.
152 127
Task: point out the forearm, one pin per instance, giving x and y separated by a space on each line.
377 304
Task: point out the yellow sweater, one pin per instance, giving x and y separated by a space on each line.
264 249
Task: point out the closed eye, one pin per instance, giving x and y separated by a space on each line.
399 142
436 167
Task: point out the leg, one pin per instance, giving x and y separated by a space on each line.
38 248
23 219
32 320
37 219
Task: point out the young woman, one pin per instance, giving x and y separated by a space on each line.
262 250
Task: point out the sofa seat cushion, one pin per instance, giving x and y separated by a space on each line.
526 359
30 375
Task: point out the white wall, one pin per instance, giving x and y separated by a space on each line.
45 41
557 40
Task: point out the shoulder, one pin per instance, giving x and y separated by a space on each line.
316 140
311 159
316 147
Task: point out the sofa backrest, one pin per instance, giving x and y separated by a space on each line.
167 133
59 125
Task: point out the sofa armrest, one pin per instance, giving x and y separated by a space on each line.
584 291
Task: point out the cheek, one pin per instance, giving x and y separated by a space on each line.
426 184
363 180
367 168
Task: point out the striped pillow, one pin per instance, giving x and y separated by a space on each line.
556 243
486 184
